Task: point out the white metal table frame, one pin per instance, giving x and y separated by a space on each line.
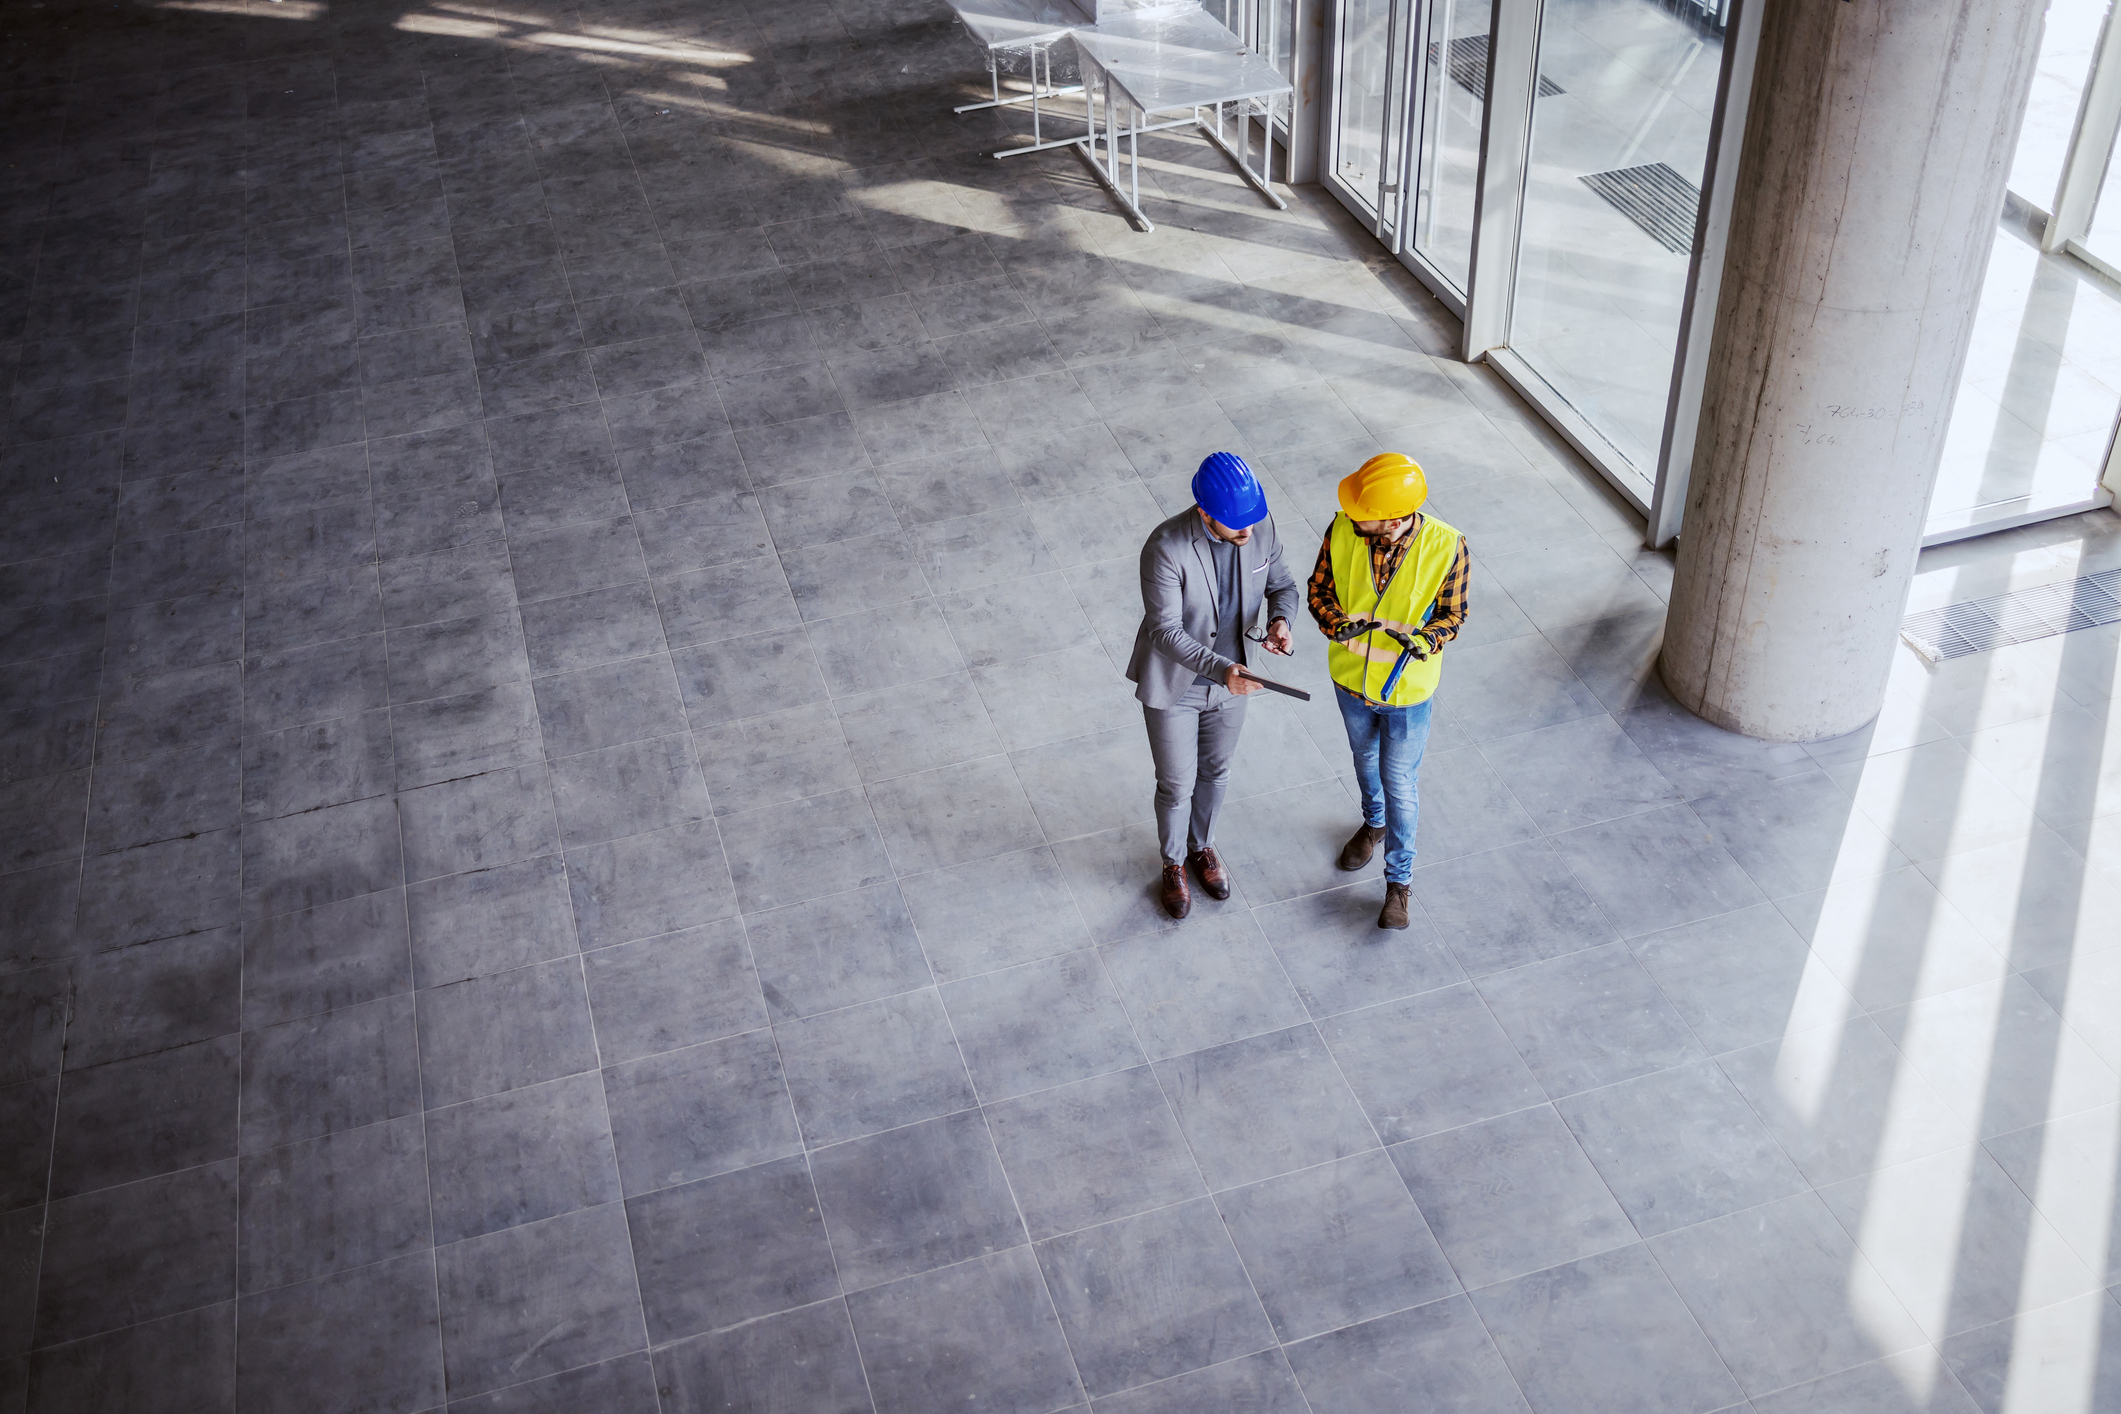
1038 43
1039 51
1264 83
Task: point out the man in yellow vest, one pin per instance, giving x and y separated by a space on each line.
1389 590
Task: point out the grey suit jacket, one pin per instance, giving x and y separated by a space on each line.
1177 636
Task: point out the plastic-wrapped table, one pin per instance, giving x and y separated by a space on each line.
1028 31
1141 66
1029 28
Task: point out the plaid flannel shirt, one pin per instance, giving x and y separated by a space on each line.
1385 558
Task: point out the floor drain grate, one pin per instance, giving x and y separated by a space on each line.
2018 617
1655 198
1469 67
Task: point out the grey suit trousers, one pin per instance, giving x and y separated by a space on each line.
1193 742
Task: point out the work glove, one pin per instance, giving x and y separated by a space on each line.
1354 628
1415 643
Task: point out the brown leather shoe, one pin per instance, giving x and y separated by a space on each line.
1394 913
1213 877
1178 898
1356 852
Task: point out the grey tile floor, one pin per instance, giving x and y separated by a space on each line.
571 838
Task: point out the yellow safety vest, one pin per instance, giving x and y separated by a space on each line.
1362 664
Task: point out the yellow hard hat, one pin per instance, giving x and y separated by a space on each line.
1386 487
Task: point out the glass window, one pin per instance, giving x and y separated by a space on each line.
1268 25
1620 132
2103 240
1359 134
2035 409
1454 91
2066 45
2036 404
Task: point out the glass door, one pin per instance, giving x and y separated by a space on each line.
2033 421
2067 44
1369 110
1546 169
1624 99
1411 85
1560 173
2032 426
1454 92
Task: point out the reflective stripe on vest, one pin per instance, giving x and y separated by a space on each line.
1362 664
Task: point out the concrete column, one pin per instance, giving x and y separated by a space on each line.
1876 146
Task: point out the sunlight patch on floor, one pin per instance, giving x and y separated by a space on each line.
250 9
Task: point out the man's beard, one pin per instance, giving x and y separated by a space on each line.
1374 534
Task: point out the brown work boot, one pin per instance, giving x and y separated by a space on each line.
1178 899
1213 877
1394 913
1356 852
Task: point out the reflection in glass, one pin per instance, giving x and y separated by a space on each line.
2036 402
2103 240
1453 93
1269 26
1620 130
2066 45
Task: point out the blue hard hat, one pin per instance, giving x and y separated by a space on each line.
1226 489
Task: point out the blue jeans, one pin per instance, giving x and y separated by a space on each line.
1388 743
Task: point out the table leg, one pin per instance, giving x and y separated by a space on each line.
1134 157
1241 156
994 86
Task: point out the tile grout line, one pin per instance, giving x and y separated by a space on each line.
1045 1280
1382 1147
550 792
721 848
994 1150
51 1165
1427 1226
242 735
434 1260
1163 1092
809 1177
95 742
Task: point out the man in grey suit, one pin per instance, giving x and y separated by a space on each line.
1205 573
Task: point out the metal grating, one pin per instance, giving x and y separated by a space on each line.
1469 67
2017 617
1655 198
